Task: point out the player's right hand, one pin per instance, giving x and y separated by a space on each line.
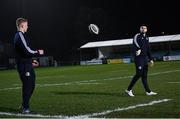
138 52
41 52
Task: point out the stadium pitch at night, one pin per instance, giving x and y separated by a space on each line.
80 59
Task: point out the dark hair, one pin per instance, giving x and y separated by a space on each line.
19 21
143 25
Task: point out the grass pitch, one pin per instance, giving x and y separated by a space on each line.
81 90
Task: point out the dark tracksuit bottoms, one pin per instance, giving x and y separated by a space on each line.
141 65
27 76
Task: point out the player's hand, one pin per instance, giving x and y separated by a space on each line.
41 52
138 52
151 63
35 63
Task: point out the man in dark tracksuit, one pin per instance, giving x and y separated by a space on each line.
24 62
141 52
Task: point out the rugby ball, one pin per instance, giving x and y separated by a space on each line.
93 28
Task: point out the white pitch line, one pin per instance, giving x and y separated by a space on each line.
174 82
77 83
48 84
30 115
3 89
87 115
128 108
60 84
88 81
165 72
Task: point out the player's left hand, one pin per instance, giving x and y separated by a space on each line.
41 52
35 63
151 63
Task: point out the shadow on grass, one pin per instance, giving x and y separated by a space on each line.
89 93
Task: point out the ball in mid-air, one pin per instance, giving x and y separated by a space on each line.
93 28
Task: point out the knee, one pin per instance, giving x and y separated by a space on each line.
144 76
139 73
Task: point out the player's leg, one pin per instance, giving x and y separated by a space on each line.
145 82
26 91
144 79
136 76
27 88
20 68
33 79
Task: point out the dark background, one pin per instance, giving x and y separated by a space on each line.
60 27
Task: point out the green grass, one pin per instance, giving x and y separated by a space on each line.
100 95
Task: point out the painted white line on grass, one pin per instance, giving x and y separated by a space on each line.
60 84
165 72
127 108
63 84
31 115
87 115
173 82
78 83
88 81
15 88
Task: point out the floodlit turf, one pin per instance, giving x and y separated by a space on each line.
82 90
